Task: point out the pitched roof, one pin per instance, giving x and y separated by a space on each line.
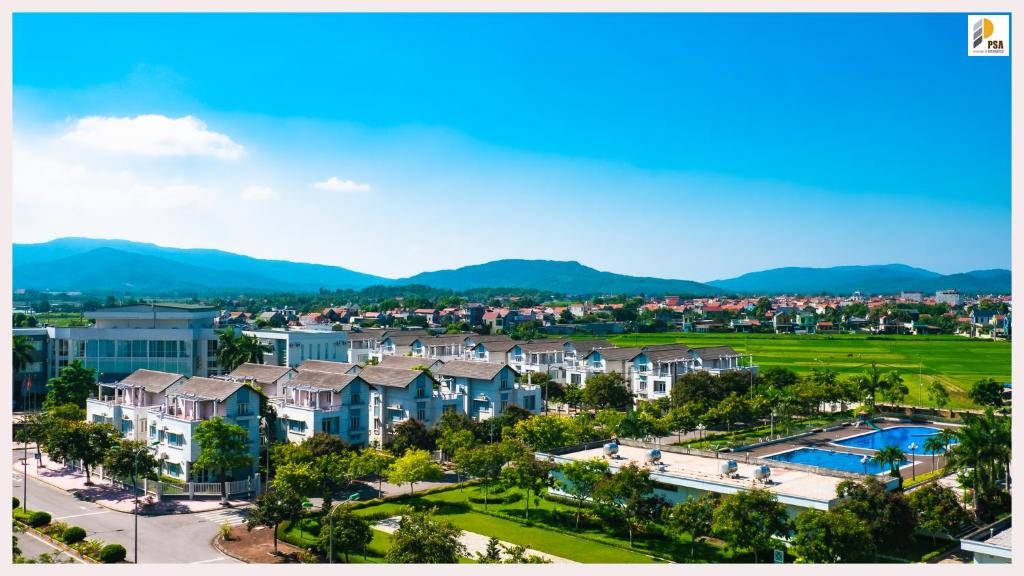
552 345
714 352
322 380
467 369
392 377
404 339
326 366
151 380
406 362
618 353
260 372
206 388
587 346
497 346
668 354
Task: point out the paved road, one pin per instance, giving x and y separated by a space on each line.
175 538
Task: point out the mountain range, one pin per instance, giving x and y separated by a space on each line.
88 264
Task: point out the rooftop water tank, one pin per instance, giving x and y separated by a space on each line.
611 449
729 467
762 473
653 455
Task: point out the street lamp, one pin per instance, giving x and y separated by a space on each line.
913 462
330 518
700 430
864 461
135 493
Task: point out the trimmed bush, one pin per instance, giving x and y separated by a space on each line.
37 519
73 534
113 553
17 503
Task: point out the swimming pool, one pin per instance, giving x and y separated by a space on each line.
899 436
844 461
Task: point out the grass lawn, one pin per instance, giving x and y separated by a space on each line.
590 545
955 361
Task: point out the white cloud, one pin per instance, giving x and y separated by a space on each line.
153 135
335 184
258 193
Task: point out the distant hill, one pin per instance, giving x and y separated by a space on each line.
555 276
881 279
216 268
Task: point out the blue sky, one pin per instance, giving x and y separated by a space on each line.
685 146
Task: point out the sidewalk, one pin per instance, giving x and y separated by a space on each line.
472 541
108 495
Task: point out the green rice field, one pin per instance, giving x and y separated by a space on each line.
955 361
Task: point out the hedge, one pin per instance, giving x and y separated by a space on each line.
113 553
37 519
73 534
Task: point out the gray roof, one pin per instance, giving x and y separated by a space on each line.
587 346
478 338
497 346
552 345
714 352
151 380
404 339
326 366
445 340
360 336
406 362
263 373
392 377
206 388
668 354
618 353
322 380
467 369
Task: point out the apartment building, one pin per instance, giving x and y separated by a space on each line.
292 347
486 389
397 395
125 404
266 378
324 402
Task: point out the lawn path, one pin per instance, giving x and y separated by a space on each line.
472 541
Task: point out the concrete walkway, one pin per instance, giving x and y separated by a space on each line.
107 494
472 541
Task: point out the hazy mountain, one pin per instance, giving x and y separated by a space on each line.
881 279
232 270
554 275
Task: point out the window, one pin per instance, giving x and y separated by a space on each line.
152 432
297 426
353 421
504 383
127 426
530 403
576 379
356 399
176 440
329 425
243 408
659 387
421 392
421 412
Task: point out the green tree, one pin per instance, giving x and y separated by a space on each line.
580 480
350 533
412 467
277 505
626 496
411 434
229 350
934 444
422 539
938 511
22 350
492 555
455 444
983 447
530 475
831 537
374 462
986 392
72 386
693 516
223 446
895 390
938 395
126 456
251 349
887 514
485 462
893 457
751 520
607 391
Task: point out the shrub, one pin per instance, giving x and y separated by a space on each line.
54 529
112 554
21 515
90 548
225 531
17 503
37 519
73 534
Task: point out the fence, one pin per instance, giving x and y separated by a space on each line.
246 487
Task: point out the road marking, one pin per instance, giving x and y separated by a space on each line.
230 517
60 553
86 514
211 560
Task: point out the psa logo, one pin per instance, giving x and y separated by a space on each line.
988 35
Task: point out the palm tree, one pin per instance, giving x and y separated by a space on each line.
252 349
891 456
983 445
934 444
22 352
870 383
229 353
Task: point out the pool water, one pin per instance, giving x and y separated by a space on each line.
899 436
844 461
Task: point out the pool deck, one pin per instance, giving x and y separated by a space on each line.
824 441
